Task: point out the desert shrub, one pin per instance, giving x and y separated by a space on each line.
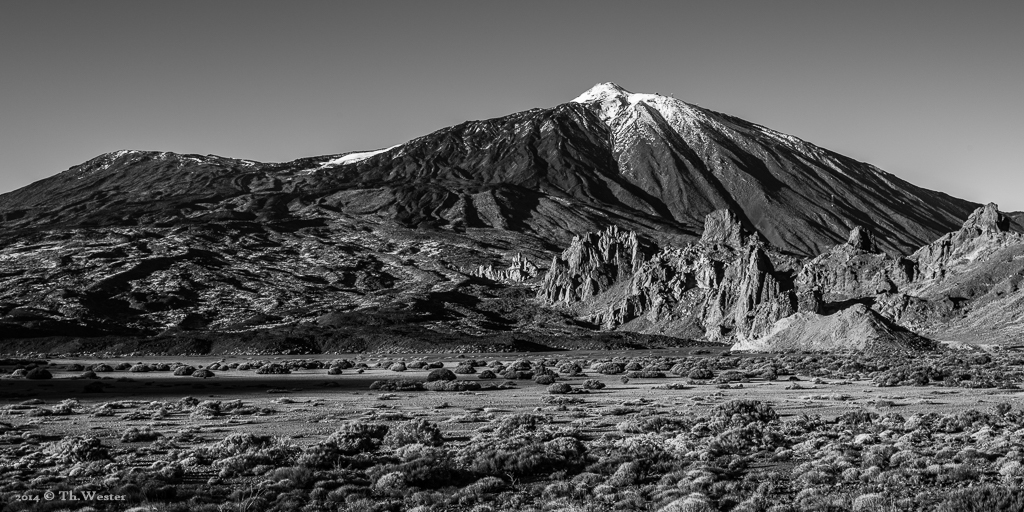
441 374
464 369
102 368
397 385
139 368
272 369
854 418
608 368
695 502
417 365
163 367
244 453
184 371
75 367
123 366
701 374
38 374
634 366
983 498
391 484
435 364
1002 409
414 431
742 412
520 421
544 380
451 385
516 375
136 435
244 367
522 454
20 372
559 388
521 365
869 502
593 384
570 368
487 375
77 449
352 439
485 485
334 370
202 373
627 474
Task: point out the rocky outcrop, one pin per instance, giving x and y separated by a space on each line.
751 297
850 271
592 264
723 227
856 328
520 270
985 229
724 286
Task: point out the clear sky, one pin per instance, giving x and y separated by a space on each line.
932 91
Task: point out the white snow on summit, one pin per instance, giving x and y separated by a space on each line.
617 102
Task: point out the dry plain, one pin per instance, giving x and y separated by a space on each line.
241 440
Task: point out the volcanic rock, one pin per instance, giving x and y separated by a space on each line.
856 328
726 285
521 269
591 264
852 270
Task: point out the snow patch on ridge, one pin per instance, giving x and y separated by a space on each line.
349 158
352 158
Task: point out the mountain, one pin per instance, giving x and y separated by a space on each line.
644 162
415 237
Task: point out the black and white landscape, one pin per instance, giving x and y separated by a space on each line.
623 302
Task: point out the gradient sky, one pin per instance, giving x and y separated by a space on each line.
932 91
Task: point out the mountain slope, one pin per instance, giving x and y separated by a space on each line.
643 162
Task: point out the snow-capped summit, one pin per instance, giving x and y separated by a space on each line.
616 102
602 92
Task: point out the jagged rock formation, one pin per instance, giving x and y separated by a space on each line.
520 270
731 286
970 284
853 270
591 264
985 229
726 285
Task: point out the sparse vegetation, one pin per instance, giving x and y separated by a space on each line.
696 443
